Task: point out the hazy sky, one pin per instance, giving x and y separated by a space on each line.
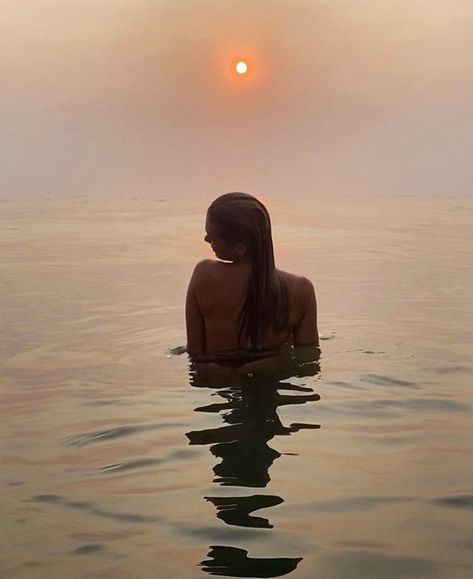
138 97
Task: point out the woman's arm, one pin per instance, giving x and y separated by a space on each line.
194 319
306 332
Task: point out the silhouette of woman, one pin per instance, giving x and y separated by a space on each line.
241 302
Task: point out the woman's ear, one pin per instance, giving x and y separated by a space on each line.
241 250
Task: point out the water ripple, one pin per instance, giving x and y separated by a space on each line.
361 563
355 504
145 462
91 508
391 406
387 381
87 549
117 432
450 369
132 464
456 501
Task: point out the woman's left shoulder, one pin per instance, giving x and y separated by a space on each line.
296 281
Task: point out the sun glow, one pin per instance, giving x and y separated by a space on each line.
241 67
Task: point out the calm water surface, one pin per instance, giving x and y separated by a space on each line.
118 462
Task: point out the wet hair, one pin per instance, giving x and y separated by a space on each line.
241 218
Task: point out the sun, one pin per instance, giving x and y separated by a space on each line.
241 67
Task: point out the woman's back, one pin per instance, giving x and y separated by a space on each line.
218 290
221 291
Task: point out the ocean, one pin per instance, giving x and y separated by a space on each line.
118 461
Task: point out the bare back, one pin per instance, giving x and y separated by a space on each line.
216 294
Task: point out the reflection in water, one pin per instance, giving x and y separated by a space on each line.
236 510
252 393
233 562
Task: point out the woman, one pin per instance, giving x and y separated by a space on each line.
241 302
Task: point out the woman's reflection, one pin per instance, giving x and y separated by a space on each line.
251 391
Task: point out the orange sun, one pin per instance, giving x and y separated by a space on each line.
241 67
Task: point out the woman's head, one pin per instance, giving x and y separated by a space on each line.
238 228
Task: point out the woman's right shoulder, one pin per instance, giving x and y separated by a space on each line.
203 270
202 265
206 265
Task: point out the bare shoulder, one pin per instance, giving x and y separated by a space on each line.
207 273
202 265
302 309
298 285
202 269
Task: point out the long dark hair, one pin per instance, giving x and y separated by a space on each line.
241 218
